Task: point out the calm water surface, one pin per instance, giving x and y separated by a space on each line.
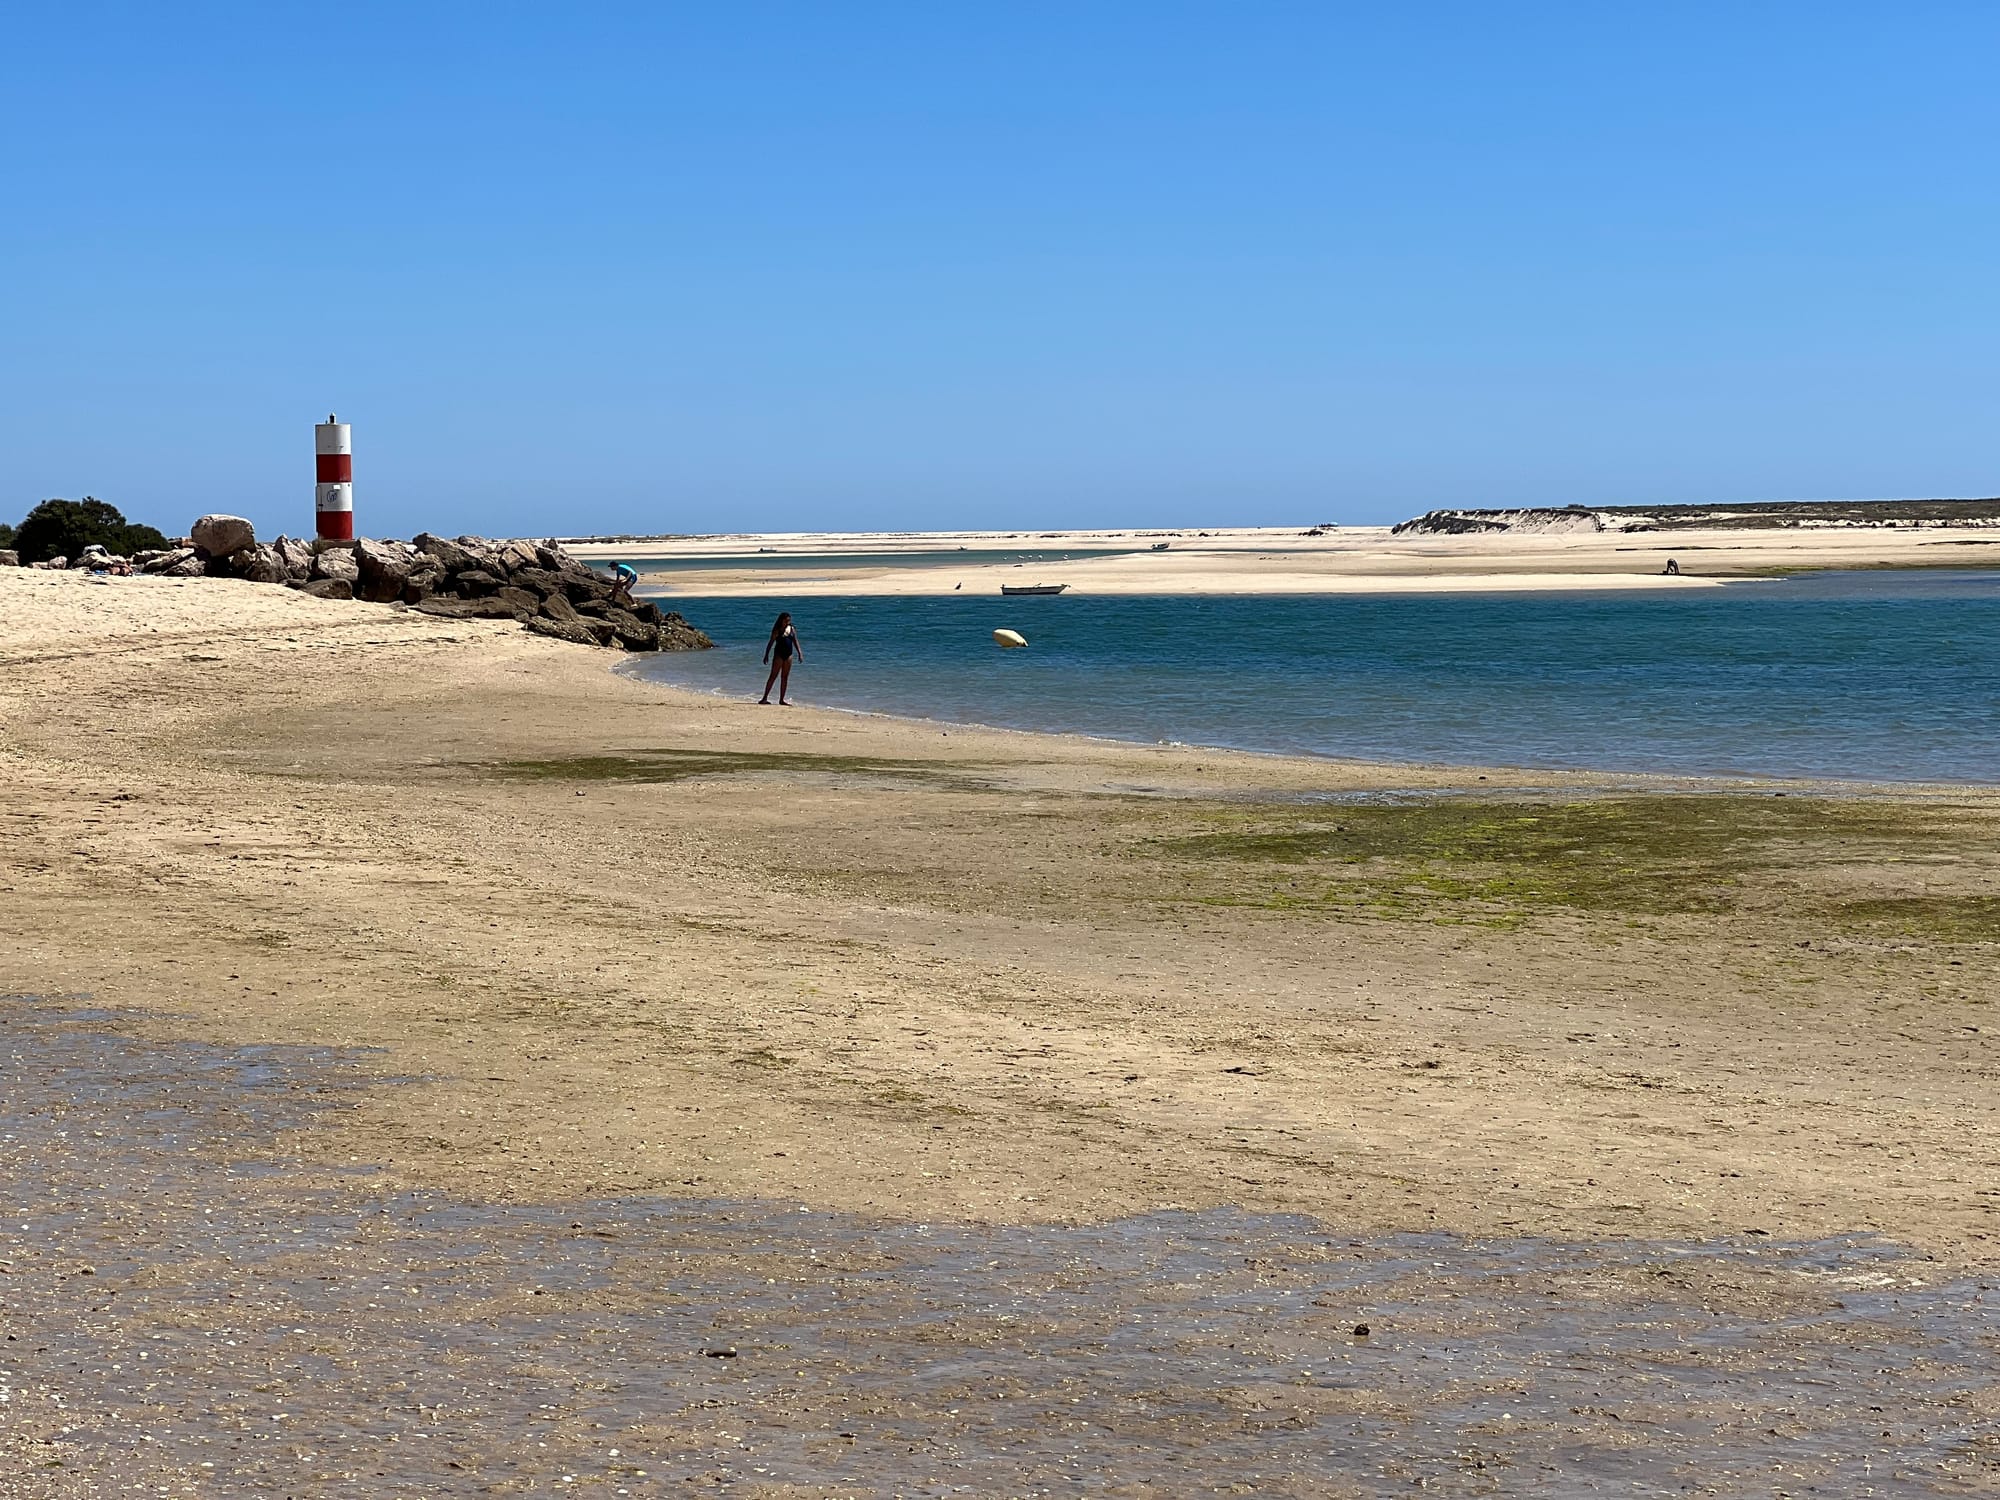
1880 675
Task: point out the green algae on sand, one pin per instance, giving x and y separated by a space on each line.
1836 860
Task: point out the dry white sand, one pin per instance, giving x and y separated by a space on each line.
1344 560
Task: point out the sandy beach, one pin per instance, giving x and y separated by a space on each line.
1272 560
611 939
585 901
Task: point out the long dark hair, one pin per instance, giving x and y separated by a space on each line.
778 627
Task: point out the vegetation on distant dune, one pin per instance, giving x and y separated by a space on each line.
63 528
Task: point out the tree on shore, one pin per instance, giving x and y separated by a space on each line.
63 528
6 535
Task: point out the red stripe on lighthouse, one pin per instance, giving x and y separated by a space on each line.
334 468
336 525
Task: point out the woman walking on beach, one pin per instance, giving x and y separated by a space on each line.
779 651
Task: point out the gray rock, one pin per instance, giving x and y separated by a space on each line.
516 554
383 567
556 560
544 581
558 607
423 581
9 558
572 630
585 587
295 556
677 635
450 557
467 609
166 560
633 633
525 603
263 566
190 566
336 562
474 583
328 588
384 559
219 536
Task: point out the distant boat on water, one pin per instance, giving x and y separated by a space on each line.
1032 588
1161 546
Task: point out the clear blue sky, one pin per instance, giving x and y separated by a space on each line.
590 267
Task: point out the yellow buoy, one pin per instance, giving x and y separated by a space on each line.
1010 638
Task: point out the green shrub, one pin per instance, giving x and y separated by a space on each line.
63 528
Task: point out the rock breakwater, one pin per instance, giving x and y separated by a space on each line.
537 583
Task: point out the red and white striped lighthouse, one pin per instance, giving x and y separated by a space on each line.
333 491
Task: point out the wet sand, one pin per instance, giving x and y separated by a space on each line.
637 960
193 1312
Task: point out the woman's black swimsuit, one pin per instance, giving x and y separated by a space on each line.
784 646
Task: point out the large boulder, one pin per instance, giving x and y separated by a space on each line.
450 556
9 558
295 555
558 607
513 555
677 635
631 632
585 587
328 588
166 560
525 603
474 583
425 578
544 581
467 609
336 562
261 566
552 557
572 630
383 568
219 536
188 565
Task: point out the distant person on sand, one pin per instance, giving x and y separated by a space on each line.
1672 569
779 651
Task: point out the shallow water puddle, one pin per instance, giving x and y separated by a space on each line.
245 1326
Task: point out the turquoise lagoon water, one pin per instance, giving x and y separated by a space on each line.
1889 675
